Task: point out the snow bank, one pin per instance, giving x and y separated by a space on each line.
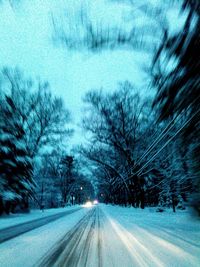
27 249
14 219
157 239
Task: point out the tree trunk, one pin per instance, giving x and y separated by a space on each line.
42 197
173 203
7 207
25 203
1 206
142 199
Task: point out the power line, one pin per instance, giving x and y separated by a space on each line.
159 138
187 121
147 163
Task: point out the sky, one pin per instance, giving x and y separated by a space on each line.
26 32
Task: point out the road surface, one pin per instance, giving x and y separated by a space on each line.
74 249
107 236
93 242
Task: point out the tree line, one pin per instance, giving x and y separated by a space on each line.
146 151
141 151
34 163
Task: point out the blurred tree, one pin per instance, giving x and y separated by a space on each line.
85 32
43 116
15 164
60 180
115 123
178 90
37 118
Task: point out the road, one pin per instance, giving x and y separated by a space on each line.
16 230
107 236
90 243
74 248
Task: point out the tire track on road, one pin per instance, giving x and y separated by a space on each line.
74 247
99 244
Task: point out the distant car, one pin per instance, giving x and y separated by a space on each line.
88 204
95 202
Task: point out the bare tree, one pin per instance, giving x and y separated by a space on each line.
44 116
83 32
115 123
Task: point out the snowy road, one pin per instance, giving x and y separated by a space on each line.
106 236
99 240
16 230
74 249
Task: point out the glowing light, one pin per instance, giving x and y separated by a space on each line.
88 204
95 202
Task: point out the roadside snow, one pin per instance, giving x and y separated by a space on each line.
27 249
121 237
14 219
157 239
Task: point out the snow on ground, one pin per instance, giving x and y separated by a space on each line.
14 219
157 239
118 237
27 249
